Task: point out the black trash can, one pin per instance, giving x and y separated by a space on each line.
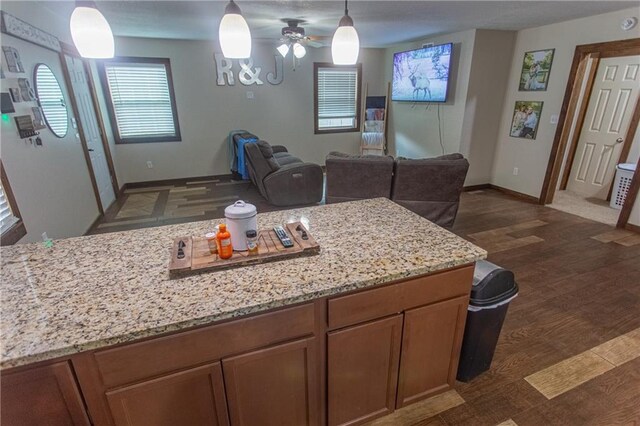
493 289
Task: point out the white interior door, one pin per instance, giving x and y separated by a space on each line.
91 130
613 98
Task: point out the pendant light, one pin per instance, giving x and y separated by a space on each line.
345 45
234 34
90 31
299 51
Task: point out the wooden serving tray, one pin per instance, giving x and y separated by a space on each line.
198 256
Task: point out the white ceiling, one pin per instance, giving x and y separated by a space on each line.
379 23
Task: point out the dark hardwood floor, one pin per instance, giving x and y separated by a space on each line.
576 292
579 292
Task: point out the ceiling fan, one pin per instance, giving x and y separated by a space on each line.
295 39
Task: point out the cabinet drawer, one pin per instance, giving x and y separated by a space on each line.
133 362
371 304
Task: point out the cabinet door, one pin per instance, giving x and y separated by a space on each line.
431 342
191 397
363 371
274 386
46 394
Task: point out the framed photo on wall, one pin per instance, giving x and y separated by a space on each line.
526 116
536 67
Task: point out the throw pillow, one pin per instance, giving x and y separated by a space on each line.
265 149
267 153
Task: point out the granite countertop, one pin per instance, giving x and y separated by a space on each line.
90 292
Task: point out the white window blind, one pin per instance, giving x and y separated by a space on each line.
141 100
52 101
337 98
7 219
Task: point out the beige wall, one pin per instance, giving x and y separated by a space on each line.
492 54
480 65
531 157
281 114
413 127
51 183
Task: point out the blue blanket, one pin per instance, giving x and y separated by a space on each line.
236 152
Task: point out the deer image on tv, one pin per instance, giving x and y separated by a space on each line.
420 83
422 75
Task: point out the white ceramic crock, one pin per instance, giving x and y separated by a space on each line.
240 218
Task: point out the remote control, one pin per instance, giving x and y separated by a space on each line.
282 235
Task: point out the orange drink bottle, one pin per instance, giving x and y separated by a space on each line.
225 249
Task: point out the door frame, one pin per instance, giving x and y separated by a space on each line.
70 50
582 55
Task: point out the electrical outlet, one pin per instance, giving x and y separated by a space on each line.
149 165
250 95
515 171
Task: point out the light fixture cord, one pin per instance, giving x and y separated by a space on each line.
346 11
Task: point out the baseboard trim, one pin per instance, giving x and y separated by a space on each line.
93 225
164 182
477 187
632 228
520 195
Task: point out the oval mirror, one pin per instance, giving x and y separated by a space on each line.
51 100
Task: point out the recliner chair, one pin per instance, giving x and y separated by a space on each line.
281 178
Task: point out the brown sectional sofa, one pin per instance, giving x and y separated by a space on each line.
357 177
430 187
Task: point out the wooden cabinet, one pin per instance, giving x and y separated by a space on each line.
341 360
377 366
274 386
431 341
192 397
362 366
41 395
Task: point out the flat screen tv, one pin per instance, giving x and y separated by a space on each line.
422 75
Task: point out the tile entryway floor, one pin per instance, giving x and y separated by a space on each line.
589 208
182 201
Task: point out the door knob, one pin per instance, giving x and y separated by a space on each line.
90 149
619 140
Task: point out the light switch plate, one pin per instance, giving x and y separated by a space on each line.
250 95
554 119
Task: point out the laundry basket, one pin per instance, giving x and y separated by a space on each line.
624 174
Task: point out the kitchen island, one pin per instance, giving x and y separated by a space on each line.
100 321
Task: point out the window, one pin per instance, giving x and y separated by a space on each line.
337 98
140 99
51 101
11 226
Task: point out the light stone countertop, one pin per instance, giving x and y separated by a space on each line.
94 291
